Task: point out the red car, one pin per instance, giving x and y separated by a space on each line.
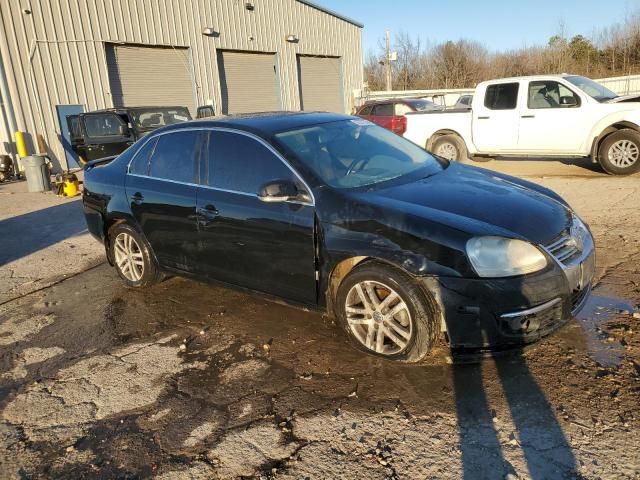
390 114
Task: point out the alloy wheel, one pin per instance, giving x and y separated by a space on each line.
623 153
448 151
378 317
128 257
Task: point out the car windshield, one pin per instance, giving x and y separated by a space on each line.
591 88
356 153
422 105
150 118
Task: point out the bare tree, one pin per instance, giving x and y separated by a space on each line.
463 63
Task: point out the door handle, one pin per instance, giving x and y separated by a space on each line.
483 118
528 116
137 198
206 215
208 211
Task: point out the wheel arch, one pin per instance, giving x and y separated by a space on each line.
441 133
111 220
342 269
615 127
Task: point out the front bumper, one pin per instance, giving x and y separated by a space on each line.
497 314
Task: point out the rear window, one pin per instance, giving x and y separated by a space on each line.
502 96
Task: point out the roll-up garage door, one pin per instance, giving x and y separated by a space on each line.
247 82
154 76
320 84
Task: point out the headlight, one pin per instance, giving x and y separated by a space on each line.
504 257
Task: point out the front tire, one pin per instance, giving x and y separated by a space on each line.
619 153
386 313
132 257
450 147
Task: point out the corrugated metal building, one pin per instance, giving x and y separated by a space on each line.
64 56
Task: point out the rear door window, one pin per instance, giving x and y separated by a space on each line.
383 110
175 154
239 163
104 125
502 96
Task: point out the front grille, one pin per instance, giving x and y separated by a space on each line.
578 299
534 324
564 248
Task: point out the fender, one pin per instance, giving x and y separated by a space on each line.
627 118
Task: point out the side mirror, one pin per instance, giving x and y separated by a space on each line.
123 130
278 191
568 101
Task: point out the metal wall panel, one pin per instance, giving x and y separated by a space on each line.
247 82
320 81
141 76
56 54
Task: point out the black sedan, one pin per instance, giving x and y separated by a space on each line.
334 212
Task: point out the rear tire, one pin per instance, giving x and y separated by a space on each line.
619 153
132 257
407 335
450 147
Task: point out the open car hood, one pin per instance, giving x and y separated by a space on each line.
625 99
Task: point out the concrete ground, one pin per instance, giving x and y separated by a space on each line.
44 240
192 381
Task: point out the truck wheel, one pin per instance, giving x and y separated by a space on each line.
619 153
386 313
451 147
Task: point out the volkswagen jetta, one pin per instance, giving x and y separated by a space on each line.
334 212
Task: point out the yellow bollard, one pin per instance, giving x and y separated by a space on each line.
21 145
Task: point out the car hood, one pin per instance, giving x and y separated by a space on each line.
480 203
625 99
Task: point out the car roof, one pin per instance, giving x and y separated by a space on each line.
394 100
263 123
128 109
529 78
404 100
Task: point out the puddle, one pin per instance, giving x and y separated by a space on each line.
597 311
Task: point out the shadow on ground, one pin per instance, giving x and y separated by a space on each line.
34 231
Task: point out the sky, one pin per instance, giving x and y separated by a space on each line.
498 24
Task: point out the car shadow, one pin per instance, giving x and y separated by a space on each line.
584 164
34 231
483 435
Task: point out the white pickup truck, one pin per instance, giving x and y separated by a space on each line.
540 116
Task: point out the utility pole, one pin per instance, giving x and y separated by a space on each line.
387 61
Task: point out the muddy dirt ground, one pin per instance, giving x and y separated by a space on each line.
192 381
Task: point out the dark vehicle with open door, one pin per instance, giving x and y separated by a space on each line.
109 132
